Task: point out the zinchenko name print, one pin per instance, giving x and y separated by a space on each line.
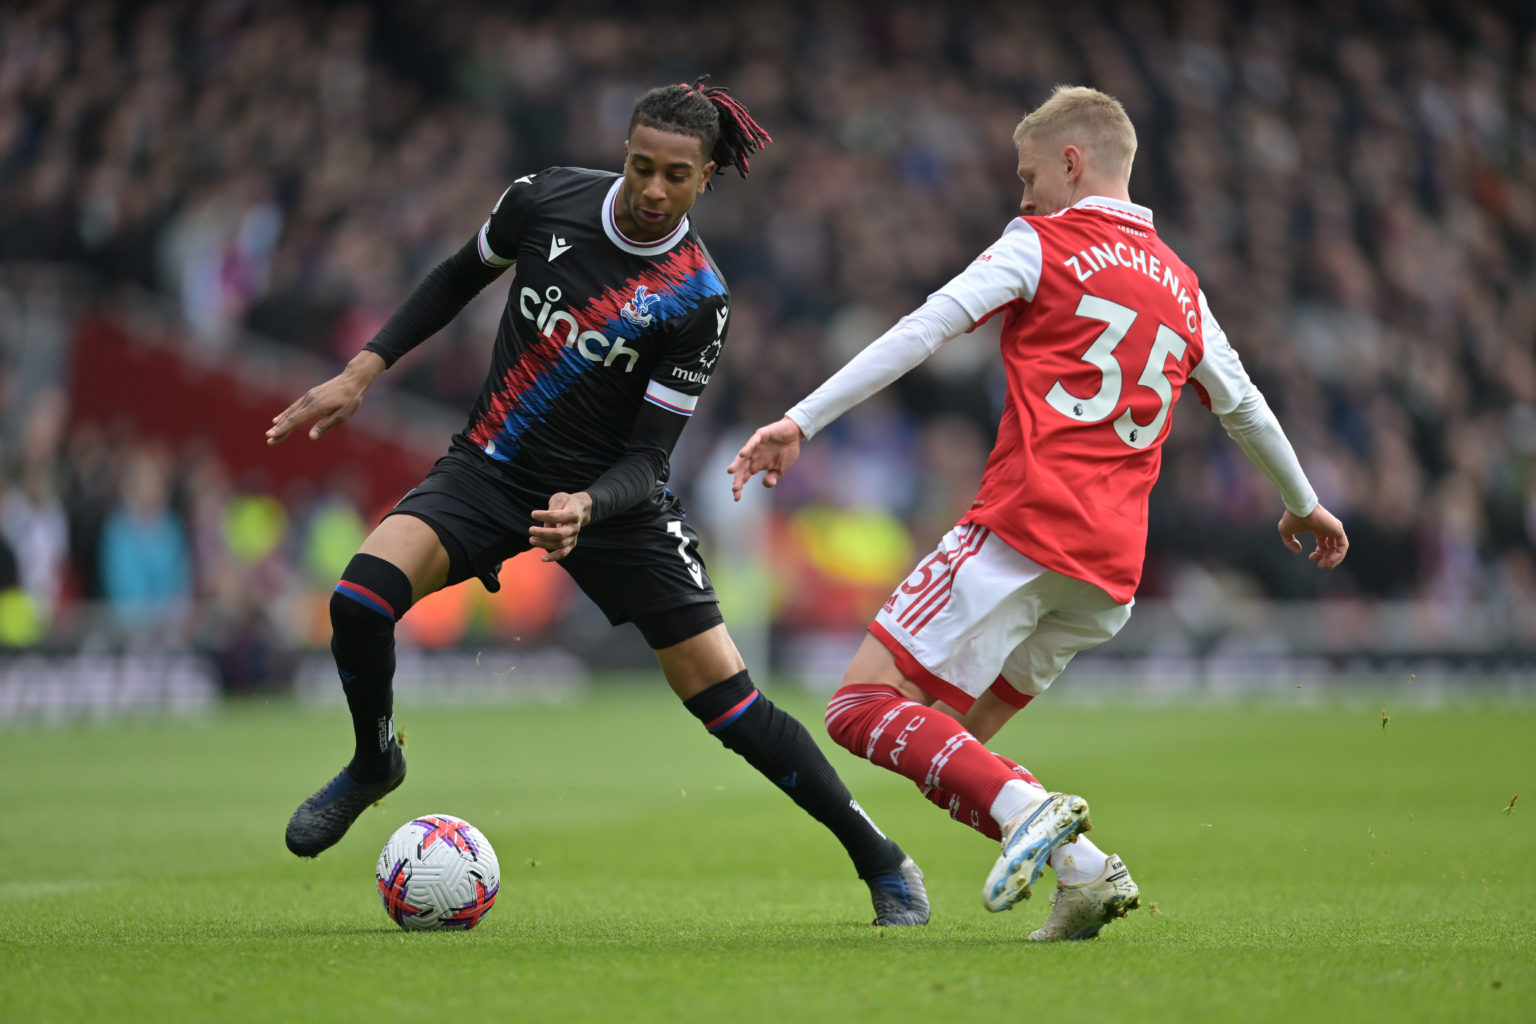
1103 256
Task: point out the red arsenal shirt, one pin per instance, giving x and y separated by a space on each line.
1102 326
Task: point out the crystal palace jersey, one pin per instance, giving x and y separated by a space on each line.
1102 326
595 325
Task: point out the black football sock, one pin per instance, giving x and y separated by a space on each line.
370 597
777 745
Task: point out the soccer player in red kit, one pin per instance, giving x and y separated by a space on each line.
1102 326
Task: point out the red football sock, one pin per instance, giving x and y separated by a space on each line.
926 746
970 813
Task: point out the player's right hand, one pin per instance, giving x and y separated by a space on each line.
331 403
560 524
1332 544
770 451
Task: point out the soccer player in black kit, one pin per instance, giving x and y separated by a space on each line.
614 321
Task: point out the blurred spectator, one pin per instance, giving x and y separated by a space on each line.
35 527
333 531
1355 185
33 519
146 570
21 621
90 493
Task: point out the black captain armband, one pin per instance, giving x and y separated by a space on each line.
435 301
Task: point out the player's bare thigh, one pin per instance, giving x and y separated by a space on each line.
411 546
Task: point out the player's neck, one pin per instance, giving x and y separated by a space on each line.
1101 187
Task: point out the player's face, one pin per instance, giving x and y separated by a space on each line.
664 172
1048 176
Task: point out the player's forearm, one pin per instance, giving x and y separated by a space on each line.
1258 433
433 303
627 481
643 464
914 338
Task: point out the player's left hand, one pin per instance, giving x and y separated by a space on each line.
330 404
563 520
771 451
1332 543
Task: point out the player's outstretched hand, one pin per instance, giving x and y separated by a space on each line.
331 403
770 451
563 520
1332 544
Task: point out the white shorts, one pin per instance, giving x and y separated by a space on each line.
976 615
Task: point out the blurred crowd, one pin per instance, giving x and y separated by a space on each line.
1354 182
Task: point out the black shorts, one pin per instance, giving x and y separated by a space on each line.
640 566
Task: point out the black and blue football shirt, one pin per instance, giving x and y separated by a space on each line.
595 325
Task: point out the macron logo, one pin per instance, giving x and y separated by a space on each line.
721 315
557 246
526 179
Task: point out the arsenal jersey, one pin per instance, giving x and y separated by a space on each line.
1102 326
595 325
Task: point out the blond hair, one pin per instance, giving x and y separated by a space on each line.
1088 118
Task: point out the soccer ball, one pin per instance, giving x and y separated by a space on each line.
437 872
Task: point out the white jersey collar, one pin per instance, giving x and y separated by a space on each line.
618 238
1117 208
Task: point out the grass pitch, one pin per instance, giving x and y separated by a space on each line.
1303 863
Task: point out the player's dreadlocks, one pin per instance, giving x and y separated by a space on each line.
709 114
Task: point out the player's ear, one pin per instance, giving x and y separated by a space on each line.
1072 162
709 171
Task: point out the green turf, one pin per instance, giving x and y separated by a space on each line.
1304 864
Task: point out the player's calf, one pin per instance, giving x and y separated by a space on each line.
968 812
369 599
921 744
775 743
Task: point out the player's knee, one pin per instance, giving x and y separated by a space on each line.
841 728
369 598
851 710
353 622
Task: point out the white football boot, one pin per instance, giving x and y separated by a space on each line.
1081 911
1028 842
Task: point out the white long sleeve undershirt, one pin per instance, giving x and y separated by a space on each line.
941 319
913 339
1258 433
